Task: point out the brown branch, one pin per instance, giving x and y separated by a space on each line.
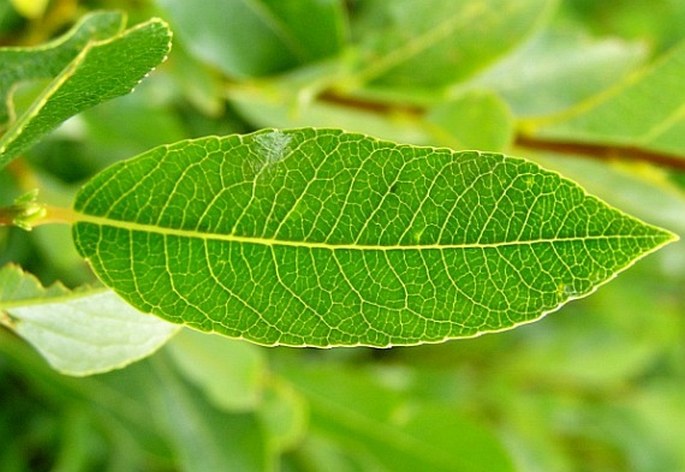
373 106
6 217
602 152
595 151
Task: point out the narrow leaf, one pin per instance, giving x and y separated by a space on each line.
428 43
101 71
81 332
204 437
320 237
48 60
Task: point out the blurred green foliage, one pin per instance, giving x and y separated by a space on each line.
597 386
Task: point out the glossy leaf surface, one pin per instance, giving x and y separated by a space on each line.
321 237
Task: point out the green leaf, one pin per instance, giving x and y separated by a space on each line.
646 110
396 432
232 374
203 437
429 43
283 414
101 71
558 69
82 332
258 37
476 120
321 237
48 60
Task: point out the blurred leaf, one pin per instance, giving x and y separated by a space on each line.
96 74
645 111
283 412
659 22
114 402
80 443
258 37
476 120
30 8
9 19
433 43
660 408
332 238
231 373
48 60
200 85
130 125
273 105
375 421
323 453
206 438
81 332
558 69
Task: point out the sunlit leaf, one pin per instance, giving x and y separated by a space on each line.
321 237
30 8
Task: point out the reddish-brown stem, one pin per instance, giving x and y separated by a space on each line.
602 152
595 151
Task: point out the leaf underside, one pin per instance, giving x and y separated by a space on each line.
79 332
314 237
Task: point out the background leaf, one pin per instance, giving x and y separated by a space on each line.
320 237
81 332
220 367
204 438
95 75
416 43
476 120
645 110
280 34
557 69
378 424
47 61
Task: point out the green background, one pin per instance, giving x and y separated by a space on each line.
595 386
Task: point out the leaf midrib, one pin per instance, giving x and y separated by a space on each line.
233 238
